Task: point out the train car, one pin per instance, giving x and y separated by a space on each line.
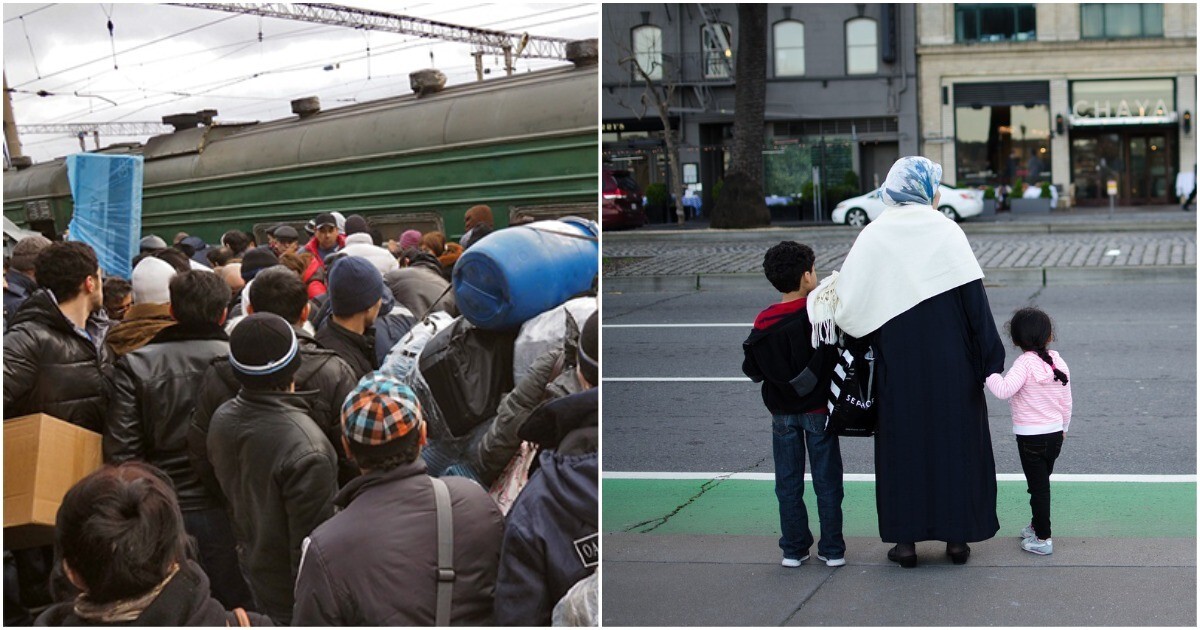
523 143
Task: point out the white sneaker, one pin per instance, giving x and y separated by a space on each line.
1028 531
834 562
792 563
1033 544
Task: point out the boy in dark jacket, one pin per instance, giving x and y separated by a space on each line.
795 382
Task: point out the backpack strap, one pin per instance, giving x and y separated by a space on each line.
445 551
242 618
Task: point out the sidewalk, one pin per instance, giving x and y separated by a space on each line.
1073 246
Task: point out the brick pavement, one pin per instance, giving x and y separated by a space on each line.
681 256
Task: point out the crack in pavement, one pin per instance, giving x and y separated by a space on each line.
705 487
811 595
609 316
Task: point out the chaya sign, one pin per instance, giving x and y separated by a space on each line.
1124 102
1123 108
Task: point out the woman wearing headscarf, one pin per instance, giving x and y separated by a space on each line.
912 283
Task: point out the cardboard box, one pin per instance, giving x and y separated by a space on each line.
43 458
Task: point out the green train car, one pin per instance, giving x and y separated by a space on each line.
526 143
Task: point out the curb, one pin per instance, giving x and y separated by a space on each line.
1031 276
712 235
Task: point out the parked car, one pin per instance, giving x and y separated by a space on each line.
622 205
954 203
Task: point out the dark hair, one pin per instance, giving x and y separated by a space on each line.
187 249
174 257
297 263
120 530
115 292
410 450
277 289
237 241
786 263
219 256
198 297
1031 330
62 268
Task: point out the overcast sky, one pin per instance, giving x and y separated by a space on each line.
209 59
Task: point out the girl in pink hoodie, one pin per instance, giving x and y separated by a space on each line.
1039 385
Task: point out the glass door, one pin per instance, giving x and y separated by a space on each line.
1095 159
1148 169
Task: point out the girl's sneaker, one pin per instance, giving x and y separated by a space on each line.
1033 544
1028 531
832 562
792 563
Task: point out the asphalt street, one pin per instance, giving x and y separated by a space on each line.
1131 348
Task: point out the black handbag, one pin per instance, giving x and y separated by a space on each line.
468 371
852 410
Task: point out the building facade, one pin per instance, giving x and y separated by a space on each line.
1078 95
841 93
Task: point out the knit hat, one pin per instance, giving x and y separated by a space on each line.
256 260
355 285
151 242
589 356
263 351
26 251
355 224
152 281
286 233
410 238
379 411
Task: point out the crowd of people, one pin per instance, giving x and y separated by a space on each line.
261 465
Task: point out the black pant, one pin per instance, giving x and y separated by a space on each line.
1038 453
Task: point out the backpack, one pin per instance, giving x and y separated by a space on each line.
852 404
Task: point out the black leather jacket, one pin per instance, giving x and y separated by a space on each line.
320 370
154 393
280 476
50 368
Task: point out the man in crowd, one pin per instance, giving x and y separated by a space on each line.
356 295
238 242
280 291
151 310
118 297
287 240
21 281
154 393
351 575
551 538
478 224
55 360
272 462
327 239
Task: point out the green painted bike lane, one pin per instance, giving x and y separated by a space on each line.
748 507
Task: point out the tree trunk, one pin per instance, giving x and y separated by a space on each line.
741 204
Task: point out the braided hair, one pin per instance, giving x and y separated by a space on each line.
1031 330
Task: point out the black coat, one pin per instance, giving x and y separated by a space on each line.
358 351
384 539
279 474
321 371
551 538
185 601
20 287
935 472
794 376
154 394
50 368
418 288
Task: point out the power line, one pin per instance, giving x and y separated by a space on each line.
108 129
12 19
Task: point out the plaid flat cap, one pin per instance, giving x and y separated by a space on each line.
377 412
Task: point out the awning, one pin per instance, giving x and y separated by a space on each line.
1089 121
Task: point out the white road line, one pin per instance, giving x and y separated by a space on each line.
670 379
677 325
871 477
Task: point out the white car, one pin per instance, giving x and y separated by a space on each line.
955 204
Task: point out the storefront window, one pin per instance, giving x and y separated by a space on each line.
1121 20
995 22
789 48
1002 144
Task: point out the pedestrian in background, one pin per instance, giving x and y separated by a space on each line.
120 537
273 464
20 280
151 309
118 297
795 384
1185 187
912 284
1039 387
356 296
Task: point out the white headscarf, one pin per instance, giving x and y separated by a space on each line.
909 254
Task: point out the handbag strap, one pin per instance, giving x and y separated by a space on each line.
445 550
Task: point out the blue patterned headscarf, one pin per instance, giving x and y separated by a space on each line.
914 180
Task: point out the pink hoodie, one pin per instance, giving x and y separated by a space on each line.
1039 403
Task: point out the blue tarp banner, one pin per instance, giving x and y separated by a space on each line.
107 192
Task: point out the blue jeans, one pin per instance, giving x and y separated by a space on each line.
789 434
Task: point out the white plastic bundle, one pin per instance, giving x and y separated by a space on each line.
547 331
404 356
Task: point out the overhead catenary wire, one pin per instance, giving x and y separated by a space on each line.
28 13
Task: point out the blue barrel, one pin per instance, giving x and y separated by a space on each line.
514 274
